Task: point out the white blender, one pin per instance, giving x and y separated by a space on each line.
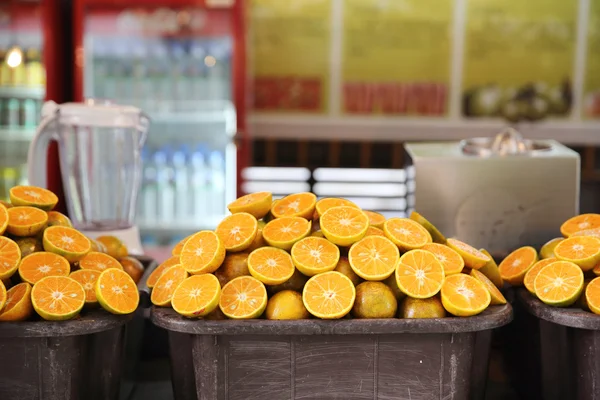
100 162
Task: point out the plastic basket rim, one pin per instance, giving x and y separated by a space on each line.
493 317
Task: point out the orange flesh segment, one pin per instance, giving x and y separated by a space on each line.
465 292
67 239
344 222
158 271
578 247
236 230
419 274
99 262
58 295
580 223
87 278
406 233
316 253
533 272
242 297
118 290
329 295
202 252
286 229
15 295
558 281
34 195
194 293
37 266
295 205
330 202
25 216
179 246
162 292
450 259
374 257
10 256
518 262
375 219
271 263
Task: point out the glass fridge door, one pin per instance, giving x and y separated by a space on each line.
176 65
22 87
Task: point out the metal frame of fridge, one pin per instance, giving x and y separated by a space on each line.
239 70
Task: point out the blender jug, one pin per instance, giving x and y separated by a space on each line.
100 162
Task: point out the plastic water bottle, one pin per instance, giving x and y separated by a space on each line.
148 194
165 189
181 182
198 184
217 183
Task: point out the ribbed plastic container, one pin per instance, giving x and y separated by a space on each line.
343 359
567 342
68 360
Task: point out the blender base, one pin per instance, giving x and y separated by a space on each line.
130 236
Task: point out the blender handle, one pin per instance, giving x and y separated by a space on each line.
37 157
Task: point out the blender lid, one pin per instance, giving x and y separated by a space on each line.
509 142
93 113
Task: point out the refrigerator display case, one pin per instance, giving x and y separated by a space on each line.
22 87
182 62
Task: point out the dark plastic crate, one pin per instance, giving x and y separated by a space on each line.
343 359
567 346
82 358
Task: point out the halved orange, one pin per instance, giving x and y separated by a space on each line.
87 278
57 298
197 296
295 205
581 250
114 246
592 295
38 266
436 235
179 246
595 232
99 262
3 219
158 271
97 246
490 269
165 286
2 296
496 295
33 196
580 223
67 242
344 225
514 267
329 295
56 218
533 272
375 219
406 233
315 255
270 265
258 204
237 231
18 303
374 258
203 253
330 202
419 274
10 257
244 297
26 221
559 284
372 231
117 293
472 257
464 296
547 250
285 231
450 259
